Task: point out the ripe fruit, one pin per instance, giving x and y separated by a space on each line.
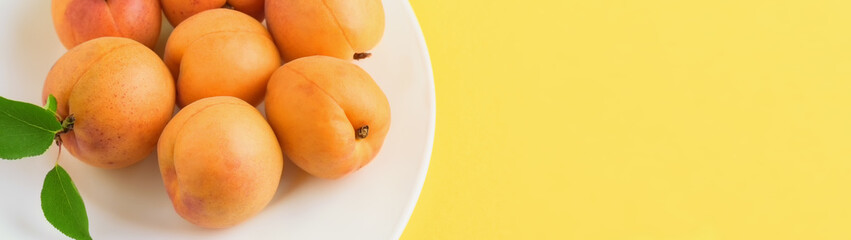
220 162
329 115
221 52
337 28
176 11
77 21
121 96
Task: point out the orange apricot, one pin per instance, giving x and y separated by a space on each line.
330 117
221 52
345 29
176 11
220 162
121 96
77 21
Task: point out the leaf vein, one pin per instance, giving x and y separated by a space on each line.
27 123
65 193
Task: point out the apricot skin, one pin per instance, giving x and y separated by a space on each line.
77 21
220 162
316 104
121 96
221 52
336 28
176 11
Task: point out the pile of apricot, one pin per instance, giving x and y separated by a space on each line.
221 160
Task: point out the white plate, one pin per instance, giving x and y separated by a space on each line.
131 203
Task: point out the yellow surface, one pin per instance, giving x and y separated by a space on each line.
638 119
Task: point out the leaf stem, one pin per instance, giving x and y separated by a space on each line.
58 154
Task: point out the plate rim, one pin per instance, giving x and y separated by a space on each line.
415 196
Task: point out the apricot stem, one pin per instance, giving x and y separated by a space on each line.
359 56
68 124
362 132
228 6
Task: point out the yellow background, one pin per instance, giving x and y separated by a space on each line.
638 119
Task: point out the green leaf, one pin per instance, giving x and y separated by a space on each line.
62 205
51 104
26 130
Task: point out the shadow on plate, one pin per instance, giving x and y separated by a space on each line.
134 194
293 177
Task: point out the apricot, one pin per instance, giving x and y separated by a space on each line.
121 96
221 52
328 114
345 29
176 11
77 21
220 162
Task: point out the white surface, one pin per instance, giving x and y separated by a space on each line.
131 203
